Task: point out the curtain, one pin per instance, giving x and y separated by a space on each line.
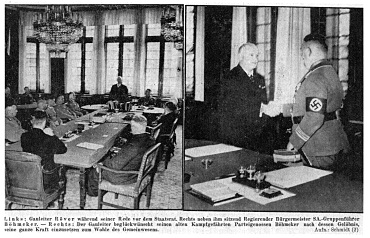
99 54
292 26
238 34
23 20
199 56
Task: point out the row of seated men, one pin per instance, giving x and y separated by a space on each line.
42 141
25 98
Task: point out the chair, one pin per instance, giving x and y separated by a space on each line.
143 184
24 181
154 131
169 144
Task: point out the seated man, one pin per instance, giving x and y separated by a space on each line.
27 97
9 99
41 105
128 158
73 105
167 118
63 112
44 143
51 113
118 94
13 127
148 100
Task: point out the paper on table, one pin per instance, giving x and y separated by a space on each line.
90 146
293 176
210 150
213 190
70 138
251 194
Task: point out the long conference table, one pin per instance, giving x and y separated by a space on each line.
82 158
332 193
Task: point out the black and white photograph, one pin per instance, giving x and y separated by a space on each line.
274 109
93 114
184 118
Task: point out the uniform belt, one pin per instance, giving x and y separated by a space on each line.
328 117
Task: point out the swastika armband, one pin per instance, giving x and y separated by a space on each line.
317 105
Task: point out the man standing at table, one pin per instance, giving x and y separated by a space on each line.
128 158
118 93
42 142
317 132
242 94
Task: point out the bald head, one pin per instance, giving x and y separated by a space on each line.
248 57
138 124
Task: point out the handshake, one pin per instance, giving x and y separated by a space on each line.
273 109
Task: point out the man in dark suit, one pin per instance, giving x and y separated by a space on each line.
128 158
41 141
148 100
242 94
118 93
27 97
317 132
167 118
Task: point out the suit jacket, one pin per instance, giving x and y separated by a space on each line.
118 93
167 121
74 107
146 101
39 143
318 93
239 108
13 129
63 112
128 159
26 99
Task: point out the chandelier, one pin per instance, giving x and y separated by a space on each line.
57 27
171 24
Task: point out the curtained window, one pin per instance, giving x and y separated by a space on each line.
124 42
292 26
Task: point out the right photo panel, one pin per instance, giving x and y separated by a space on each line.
273 109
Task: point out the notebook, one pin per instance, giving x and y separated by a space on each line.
213 190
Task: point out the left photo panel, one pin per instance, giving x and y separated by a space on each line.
94 106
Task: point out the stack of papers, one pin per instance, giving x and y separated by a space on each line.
213 190
90 146
293 176
210 150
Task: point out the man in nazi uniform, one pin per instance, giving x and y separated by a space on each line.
317 133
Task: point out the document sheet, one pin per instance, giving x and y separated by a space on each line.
293 176
210 150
